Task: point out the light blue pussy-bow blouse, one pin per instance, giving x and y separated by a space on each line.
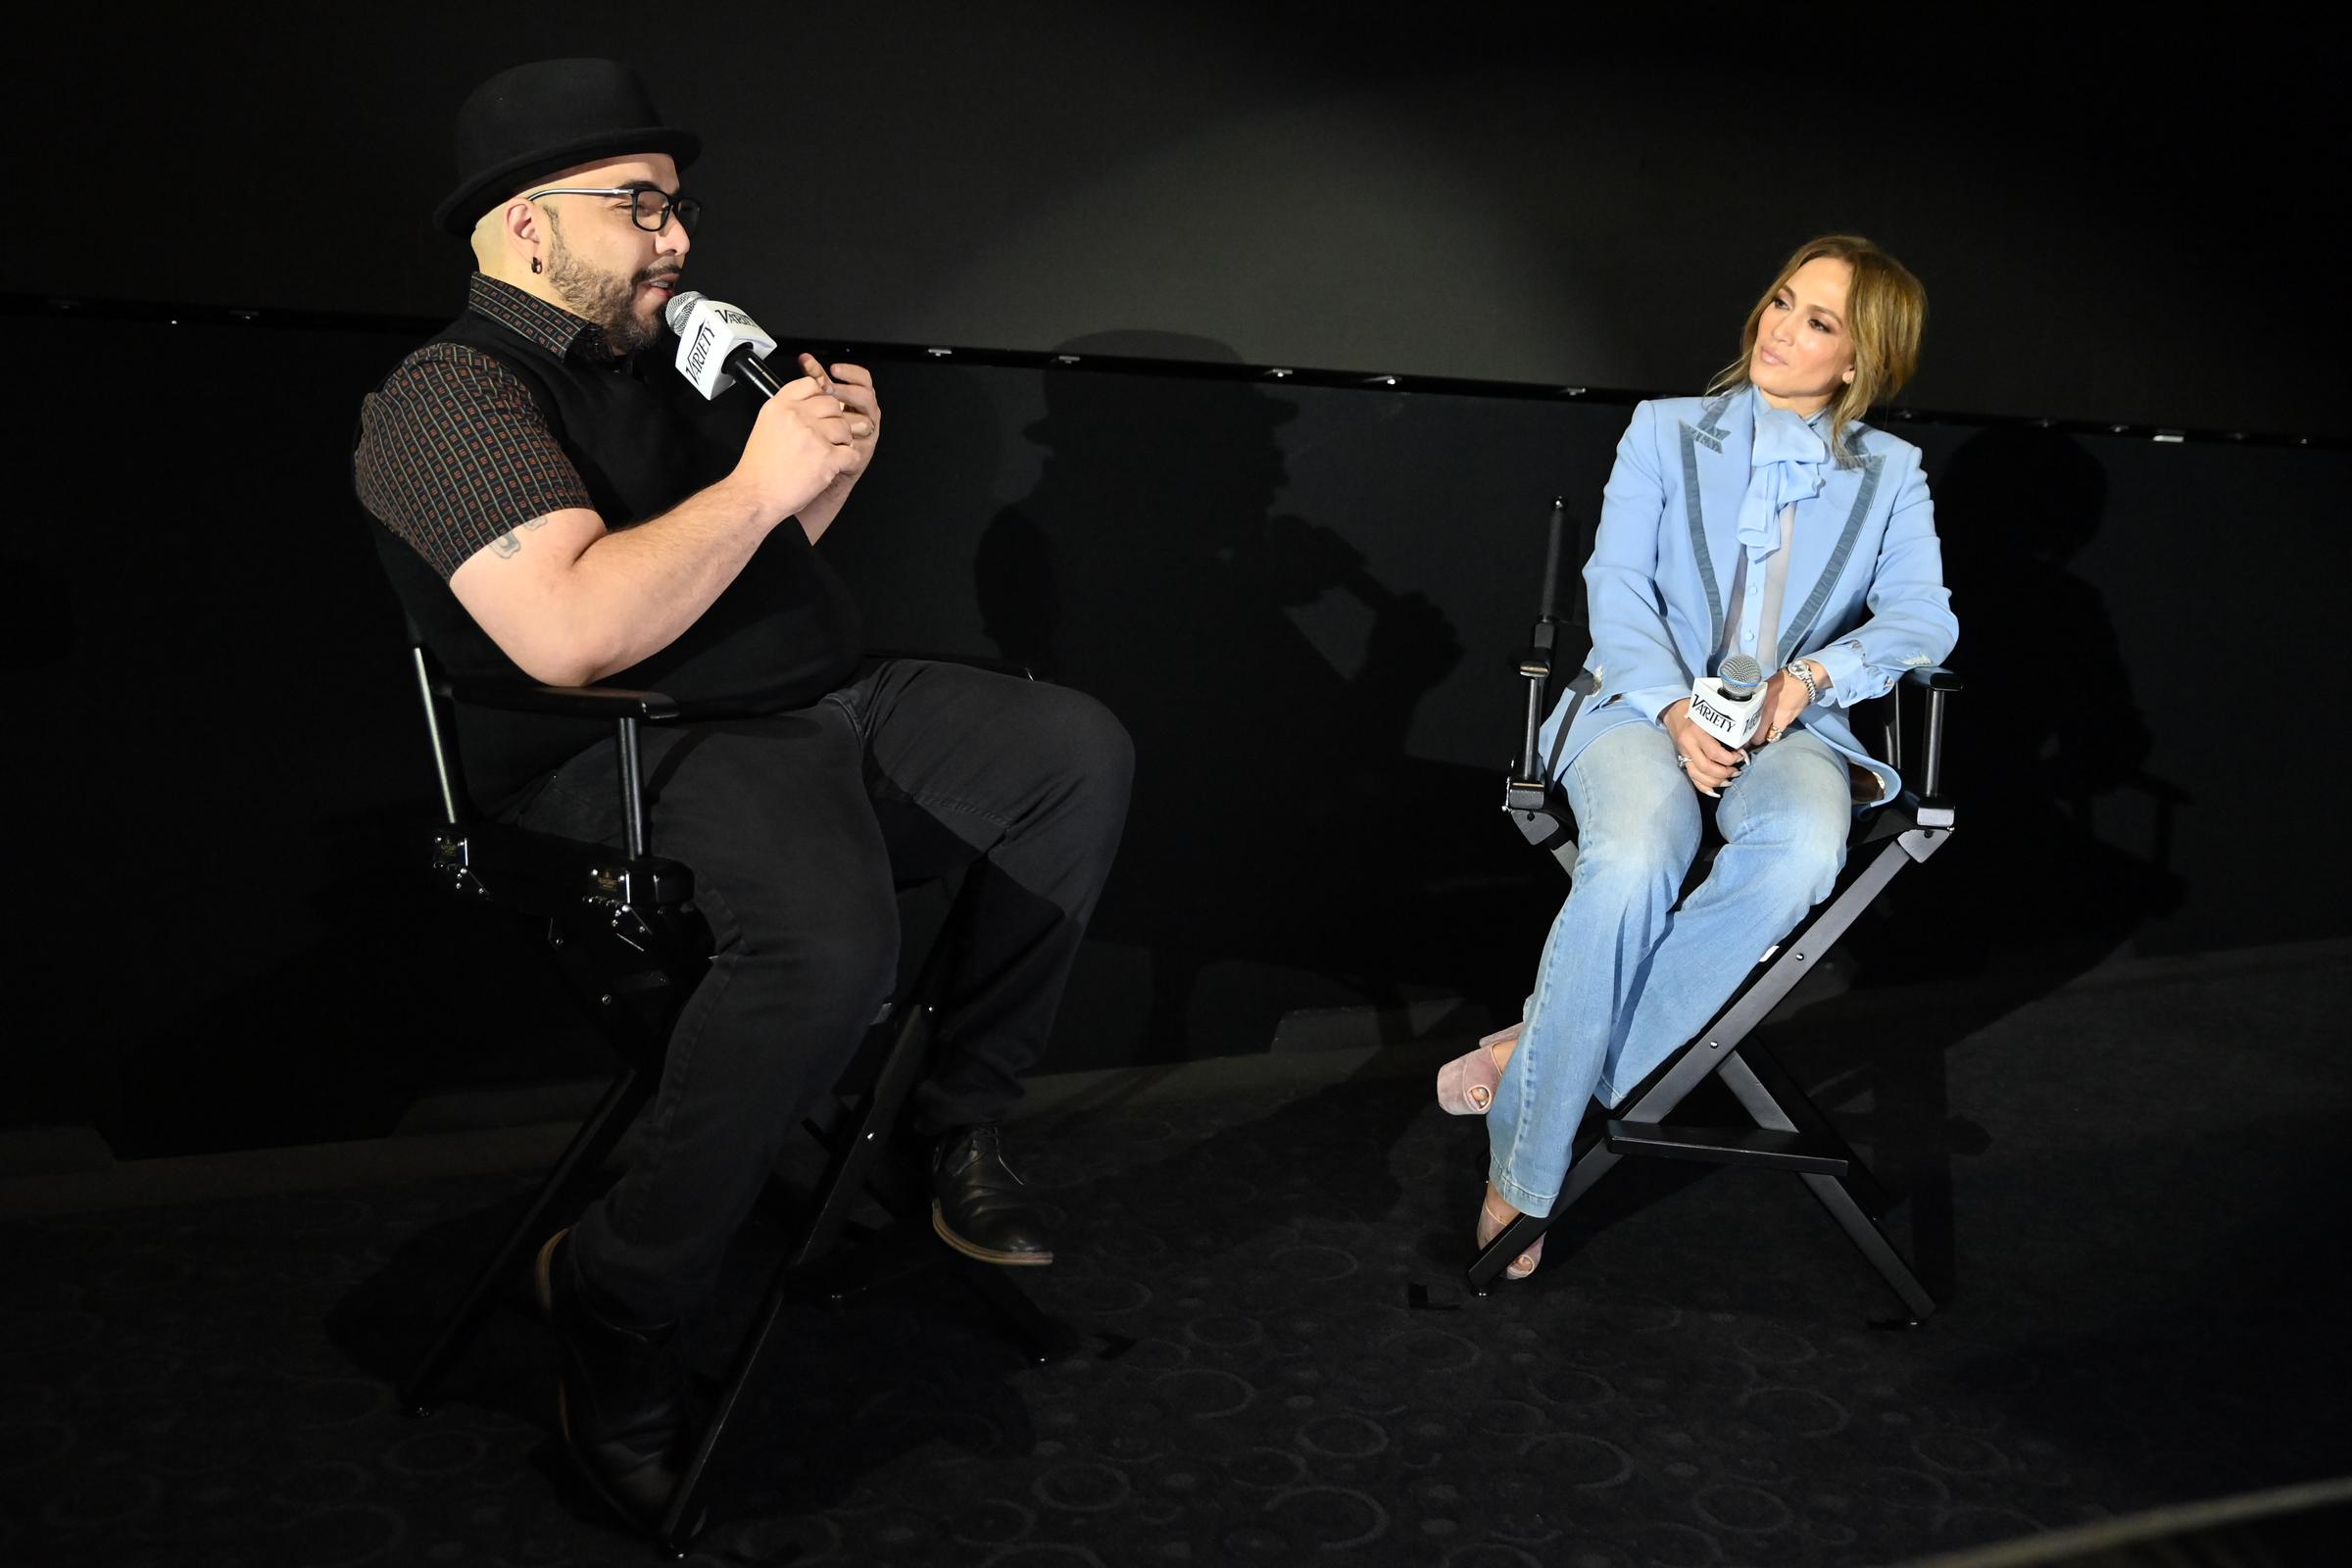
1789 455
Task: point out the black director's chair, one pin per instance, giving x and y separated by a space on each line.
1789 1132
623 928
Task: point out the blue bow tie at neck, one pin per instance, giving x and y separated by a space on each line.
1789 459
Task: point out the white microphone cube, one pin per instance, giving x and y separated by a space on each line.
709 336
1729 722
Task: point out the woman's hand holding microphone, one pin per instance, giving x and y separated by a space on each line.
1708 761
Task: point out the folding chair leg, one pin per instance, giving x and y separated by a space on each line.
682 1518
862 1139
1864 1231
1853 1199
859 1163
1772 1097
1041 1338
587 1150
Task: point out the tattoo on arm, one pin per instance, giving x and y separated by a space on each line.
510 543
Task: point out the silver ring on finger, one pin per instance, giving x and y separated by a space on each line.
1681 761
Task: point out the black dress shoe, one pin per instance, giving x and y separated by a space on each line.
978 1205
620 1396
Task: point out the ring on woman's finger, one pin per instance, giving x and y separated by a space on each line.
1681 761
1772 735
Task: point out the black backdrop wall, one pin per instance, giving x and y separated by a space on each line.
1301 599
2115 221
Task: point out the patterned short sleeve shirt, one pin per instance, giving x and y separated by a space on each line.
453 453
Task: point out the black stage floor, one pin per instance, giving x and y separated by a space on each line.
2128 1191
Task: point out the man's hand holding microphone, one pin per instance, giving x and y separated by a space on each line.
817 431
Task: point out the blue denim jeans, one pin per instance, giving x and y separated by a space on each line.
1627 976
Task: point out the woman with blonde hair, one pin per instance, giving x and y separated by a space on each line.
1763 519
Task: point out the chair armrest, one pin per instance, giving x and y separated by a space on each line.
624 708
1929 801
558 702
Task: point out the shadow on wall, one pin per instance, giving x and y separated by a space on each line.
2049 727
1277 819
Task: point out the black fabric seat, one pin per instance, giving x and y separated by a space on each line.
621 926
1788 1132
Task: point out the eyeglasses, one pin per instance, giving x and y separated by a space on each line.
649 209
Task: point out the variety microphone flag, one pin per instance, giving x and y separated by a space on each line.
1730 704
717 343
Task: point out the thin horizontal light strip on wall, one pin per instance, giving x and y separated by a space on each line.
421 327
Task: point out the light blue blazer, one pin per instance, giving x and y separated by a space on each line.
1865 596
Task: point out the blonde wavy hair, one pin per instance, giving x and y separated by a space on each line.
1885 310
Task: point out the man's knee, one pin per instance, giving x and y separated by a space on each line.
1086 757
1088 738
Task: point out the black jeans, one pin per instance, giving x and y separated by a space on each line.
799 827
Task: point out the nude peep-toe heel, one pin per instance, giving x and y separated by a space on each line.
1466 1084
1489 1226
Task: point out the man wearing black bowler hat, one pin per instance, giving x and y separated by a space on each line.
555 502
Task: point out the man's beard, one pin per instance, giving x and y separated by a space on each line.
605 299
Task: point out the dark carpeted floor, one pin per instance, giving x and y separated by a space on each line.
2128 1191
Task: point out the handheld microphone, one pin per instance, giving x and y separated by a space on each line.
717 343
1730 704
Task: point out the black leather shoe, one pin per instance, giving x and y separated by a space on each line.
620 1396
978 1205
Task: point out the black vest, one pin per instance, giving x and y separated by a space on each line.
783 634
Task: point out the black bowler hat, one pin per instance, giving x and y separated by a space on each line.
550 115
